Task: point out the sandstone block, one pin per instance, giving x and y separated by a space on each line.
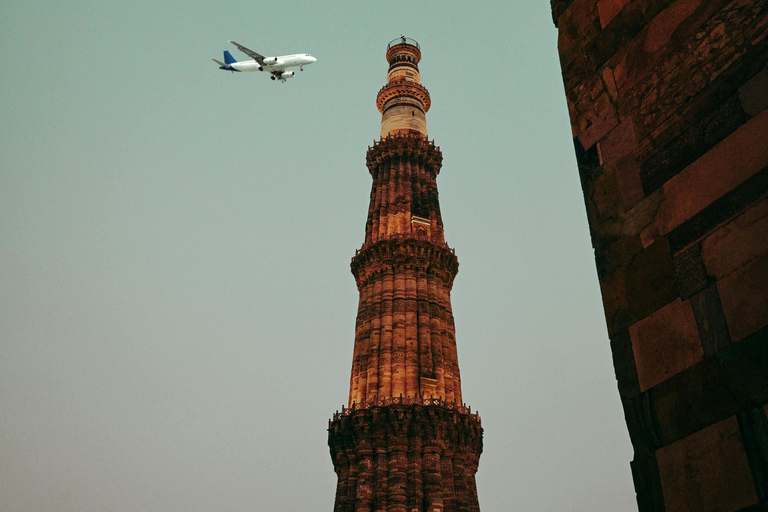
745 368
605 196
691 276
707 471
728 164
607 120
619 143
690 401
616 254
624 365
641 287
608 9
744 295
661 98
699 137
645 475
630 186
710 320
738 242
662 27
576 27
611 43
665 343
754 94
719 212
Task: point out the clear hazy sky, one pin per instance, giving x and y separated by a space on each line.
176 307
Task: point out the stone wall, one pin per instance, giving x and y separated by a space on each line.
667 101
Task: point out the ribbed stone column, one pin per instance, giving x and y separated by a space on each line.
405 442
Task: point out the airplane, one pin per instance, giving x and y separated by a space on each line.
274 65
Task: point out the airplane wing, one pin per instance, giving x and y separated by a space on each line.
259 58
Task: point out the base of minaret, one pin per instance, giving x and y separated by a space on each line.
405 455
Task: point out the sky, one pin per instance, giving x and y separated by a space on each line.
176 306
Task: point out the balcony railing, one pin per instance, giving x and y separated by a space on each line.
403 40
401 400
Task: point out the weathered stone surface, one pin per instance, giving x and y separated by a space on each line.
754 94
624 365
608 9
708 392
689 401
744 368
710 320
738 242
593 104
596 129
691 276
645 475
719 211
744 295
630 186
754 430
662 27
643 431
667 100
716 59
611 43
665 343
605 197
700 136
615 253
707 471
619 143
589 164
558 7
688 34
724 167
716 92
577 26
639 288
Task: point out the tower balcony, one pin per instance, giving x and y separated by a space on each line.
404 48
405 400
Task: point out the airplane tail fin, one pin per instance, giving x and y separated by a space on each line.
228 58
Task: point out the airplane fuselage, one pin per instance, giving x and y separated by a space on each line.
275 64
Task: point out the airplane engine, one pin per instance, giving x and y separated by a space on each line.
270 60
287 74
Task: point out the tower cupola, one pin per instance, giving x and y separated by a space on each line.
403 101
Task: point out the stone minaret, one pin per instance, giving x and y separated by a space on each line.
406 442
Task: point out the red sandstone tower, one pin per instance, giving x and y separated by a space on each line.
406 442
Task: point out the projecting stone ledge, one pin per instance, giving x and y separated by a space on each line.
412 145
400 88
405 252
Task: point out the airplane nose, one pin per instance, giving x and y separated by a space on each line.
313 59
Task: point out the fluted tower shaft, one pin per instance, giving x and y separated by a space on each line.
405 442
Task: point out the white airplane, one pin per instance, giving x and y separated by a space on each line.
274 65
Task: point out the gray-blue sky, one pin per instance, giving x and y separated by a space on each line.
176 307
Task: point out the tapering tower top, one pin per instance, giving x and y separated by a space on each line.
403 102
